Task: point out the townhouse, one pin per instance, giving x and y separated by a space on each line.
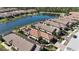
19 43
45 28
36 34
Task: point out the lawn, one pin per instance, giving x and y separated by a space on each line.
2 48
51 48
3 20
16 18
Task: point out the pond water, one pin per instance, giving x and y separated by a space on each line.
5 27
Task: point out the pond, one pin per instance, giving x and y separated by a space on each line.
6 27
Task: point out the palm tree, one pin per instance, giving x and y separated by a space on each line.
39 39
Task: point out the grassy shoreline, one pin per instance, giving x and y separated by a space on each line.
2 48
6 20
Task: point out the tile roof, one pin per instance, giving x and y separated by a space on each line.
67 19
61 21
46 36
13 13
37 33
54 24
45 27
34 32
74 15
18 42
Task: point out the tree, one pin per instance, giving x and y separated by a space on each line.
58 9
53 40
39 39
2 38
54 32
20 31
44 49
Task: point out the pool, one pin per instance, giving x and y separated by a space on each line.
22 21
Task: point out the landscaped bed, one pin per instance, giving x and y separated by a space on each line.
49 48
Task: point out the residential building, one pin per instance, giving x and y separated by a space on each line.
19 43
54 24
36 34
45 28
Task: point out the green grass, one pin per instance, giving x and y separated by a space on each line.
2 48
16 18
3 20
51 48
